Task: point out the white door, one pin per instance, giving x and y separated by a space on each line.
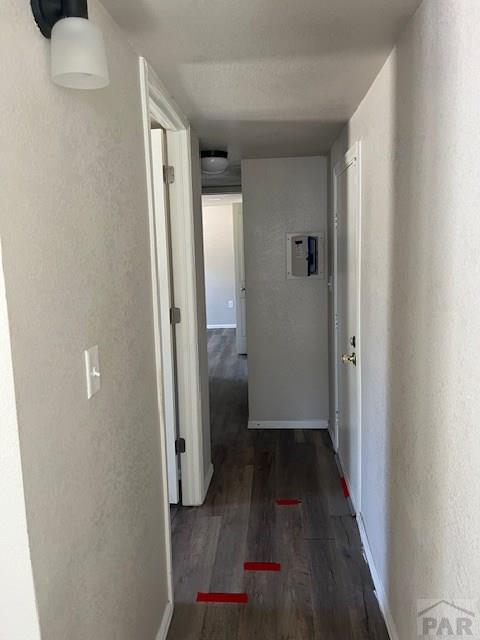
163 278
347 301
240 287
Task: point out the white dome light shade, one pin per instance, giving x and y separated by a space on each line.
78 59
214 162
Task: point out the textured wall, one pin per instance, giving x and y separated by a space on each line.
421 309
219 263
74 227
18 614
286 319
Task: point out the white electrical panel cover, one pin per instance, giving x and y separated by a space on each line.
306 255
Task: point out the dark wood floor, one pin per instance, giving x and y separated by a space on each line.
324 590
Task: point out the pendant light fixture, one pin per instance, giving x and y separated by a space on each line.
214 162
78 59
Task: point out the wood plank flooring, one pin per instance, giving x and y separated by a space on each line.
324 590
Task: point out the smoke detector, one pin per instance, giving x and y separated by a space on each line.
214 161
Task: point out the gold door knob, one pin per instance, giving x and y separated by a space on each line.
349 358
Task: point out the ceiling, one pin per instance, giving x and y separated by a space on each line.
265 78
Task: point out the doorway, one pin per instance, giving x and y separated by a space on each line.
226 300
347 434
181 177
225 286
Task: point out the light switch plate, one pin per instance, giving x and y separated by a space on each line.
92 370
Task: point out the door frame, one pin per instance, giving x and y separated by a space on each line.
162 274
239 256
352 157
156 103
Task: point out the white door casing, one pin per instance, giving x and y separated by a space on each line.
347 235
157 103
166 302
240 285
146 101
196 470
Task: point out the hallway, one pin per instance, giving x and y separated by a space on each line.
324 589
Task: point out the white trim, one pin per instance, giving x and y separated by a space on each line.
379 587
380 592
185 288
351 503
240 281
164 335
358 150
221 326
351 157
162 106
166 620
207 481
158 356
288 424
334 426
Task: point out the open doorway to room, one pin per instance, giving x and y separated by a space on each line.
225 292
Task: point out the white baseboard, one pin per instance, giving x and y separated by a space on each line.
288 424
351 504
207 481
166 620
221 326
379 588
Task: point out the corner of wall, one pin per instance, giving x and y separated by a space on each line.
18 608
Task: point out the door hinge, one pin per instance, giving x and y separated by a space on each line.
168 174
336 321
180 446
175 315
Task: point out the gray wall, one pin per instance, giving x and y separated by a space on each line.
219 263
420 311
76 257
286 319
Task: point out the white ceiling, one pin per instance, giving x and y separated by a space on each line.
265 77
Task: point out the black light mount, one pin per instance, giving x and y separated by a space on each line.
48 12
213 153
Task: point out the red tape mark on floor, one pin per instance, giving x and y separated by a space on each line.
346 492
235 598
262 566
286 502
